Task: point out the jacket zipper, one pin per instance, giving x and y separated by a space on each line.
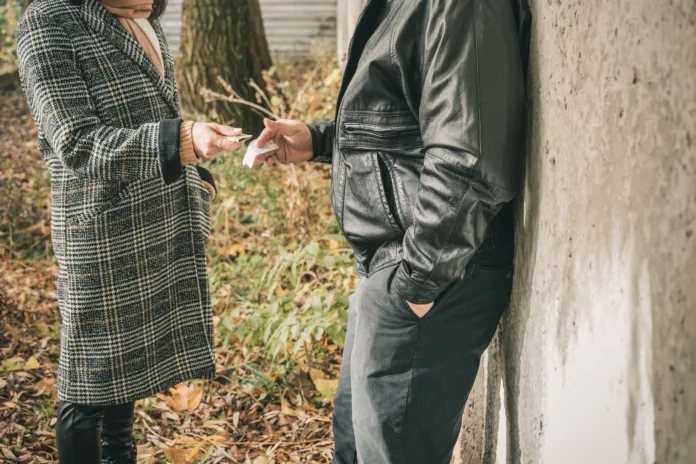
381 131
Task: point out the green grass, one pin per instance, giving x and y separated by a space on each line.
271 288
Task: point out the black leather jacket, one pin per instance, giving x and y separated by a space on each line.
429 136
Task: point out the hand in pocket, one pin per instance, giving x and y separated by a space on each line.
421 309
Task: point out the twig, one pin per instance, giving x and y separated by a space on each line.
210 96
276 444
256 87
5 247
159 437
34 311
9 204
302 91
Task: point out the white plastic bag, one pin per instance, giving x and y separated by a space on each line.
254 152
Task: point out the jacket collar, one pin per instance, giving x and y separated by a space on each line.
367 24
106 24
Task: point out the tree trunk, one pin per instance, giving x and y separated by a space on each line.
222 38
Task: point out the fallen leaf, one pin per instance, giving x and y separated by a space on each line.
234 250
327 387
182 397
195 451
176 455
13 364
235 419
316 374
267 425
175 401
214 424
172 416
31 364
287 410
194 398
8 454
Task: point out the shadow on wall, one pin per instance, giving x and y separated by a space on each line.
512 342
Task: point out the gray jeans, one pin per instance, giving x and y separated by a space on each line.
405 380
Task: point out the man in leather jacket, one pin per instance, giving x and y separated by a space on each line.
426 150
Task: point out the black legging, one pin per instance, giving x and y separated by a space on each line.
88 434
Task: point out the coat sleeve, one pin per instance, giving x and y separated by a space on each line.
65 114
323 135
472 117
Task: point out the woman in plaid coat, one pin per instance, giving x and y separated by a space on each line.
130 214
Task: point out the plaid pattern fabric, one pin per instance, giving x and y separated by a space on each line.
133 287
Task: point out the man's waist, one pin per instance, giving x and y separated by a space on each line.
392 252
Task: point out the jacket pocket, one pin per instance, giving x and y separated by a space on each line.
390 191
366 217
102 208
381 132
396 138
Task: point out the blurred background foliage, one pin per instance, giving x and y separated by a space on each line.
10 12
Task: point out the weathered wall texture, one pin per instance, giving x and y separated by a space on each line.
598 350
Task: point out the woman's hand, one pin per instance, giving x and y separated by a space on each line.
293 138
209 139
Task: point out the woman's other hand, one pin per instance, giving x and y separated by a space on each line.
293 138
209 139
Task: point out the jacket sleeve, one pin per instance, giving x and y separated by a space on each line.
65 114
323 135
472 117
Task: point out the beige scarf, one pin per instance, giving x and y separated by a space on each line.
133 15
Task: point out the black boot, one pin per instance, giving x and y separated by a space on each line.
78 430
95 434
118 446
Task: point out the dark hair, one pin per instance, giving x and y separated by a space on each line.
157 10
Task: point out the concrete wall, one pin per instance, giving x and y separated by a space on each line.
348 14
598 350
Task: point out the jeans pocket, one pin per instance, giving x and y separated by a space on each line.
398 302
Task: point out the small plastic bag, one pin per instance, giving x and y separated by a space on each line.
254 152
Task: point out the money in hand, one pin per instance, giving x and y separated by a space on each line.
239 138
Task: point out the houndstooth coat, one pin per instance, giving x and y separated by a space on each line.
130 224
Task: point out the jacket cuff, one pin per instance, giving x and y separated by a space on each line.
208 181
169 156
186 150
322 141
412 291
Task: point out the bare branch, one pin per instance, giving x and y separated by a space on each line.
211 96
256 87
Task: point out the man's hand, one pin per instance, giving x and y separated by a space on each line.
293 138
209 139
421 309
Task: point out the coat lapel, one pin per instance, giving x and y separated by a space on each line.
106 24
169 71
365 27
